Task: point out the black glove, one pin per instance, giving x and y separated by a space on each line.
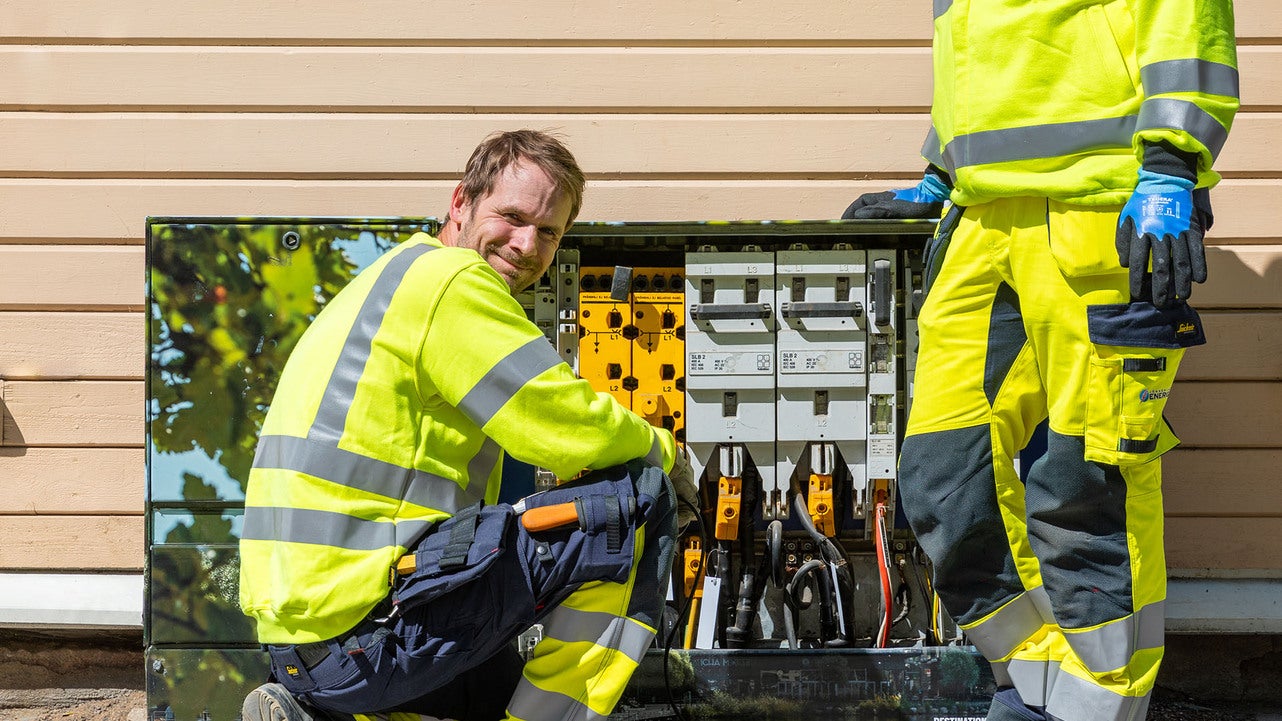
1162 222
925 200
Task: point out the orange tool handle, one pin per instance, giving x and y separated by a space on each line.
545 518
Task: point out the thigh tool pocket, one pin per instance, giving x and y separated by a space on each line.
599 545
456 553
1135 351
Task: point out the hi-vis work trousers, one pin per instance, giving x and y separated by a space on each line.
443 645
1060 583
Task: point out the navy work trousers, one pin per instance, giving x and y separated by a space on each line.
442 644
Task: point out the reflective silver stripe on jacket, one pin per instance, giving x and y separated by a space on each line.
341 390
1033 679
322 459
941 7
999 634
1109 647
1075 699
531 702
1058 139
506 378
1038 141
1186 116
1189 75
930 149
570 625
328 528
481 466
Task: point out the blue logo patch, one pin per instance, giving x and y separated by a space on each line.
1148 395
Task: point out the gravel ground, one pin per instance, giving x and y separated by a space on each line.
73 705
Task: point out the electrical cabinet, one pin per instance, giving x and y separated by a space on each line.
780 354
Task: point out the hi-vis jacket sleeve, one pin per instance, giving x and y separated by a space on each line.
1187 59
482 355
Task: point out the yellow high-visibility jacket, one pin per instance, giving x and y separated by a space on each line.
1054 97
392 413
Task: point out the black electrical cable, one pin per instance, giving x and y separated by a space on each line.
774 554
681 614
790 598
835 562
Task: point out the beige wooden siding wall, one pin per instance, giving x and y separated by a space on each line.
677 110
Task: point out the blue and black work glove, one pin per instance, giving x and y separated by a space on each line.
925 200
1165 220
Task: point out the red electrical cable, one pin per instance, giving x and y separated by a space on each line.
883 569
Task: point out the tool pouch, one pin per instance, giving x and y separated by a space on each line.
456 553
601 548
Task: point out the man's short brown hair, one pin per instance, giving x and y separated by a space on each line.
500 150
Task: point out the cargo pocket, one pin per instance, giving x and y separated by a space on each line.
1083 240
456 553
601 545
1135 352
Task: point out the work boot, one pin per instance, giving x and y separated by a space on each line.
1008 706
271 702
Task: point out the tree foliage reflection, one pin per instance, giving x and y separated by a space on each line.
228 304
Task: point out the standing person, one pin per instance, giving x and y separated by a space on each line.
387 433
1075 141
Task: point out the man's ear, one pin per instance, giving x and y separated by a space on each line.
458 204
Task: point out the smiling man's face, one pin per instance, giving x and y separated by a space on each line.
517 227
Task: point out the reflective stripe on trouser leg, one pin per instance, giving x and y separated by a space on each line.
589 650
978 399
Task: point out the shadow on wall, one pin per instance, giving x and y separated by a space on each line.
1235 279
12 442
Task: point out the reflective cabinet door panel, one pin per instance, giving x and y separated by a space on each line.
194 579
202 684
227 302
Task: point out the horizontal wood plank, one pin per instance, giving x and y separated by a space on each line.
72 345
1240 346
71 543
433 145
103 277
83 481
337 145
1226 415
1194 544
463 79
392 21
568 20
488 78
115 211
1222 483
73 413
1245 276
